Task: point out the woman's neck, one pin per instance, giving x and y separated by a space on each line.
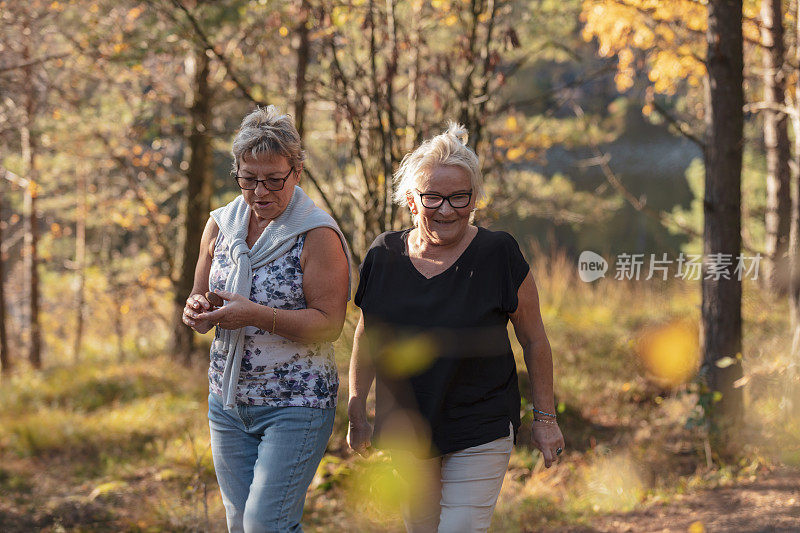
422 247
255 228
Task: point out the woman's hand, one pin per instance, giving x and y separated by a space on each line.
547 437
197 304
237 312
359 437
359 432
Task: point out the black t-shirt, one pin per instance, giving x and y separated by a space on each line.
440 345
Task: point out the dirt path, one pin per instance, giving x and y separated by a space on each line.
770 503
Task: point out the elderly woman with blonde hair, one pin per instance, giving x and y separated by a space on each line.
281 266
435 302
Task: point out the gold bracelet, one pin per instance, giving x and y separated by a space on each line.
274 320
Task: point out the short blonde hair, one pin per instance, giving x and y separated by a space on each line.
447 149
266 130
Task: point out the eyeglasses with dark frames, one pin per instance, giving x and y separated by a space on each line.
431 200
247 183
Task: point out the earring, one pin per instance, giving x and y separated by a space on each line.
411 204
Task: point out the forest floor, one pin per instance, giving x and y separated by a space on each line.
770 503
116 444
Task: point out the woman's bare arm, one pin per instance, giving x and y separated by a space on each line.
197 303
361 375
529 328
326 281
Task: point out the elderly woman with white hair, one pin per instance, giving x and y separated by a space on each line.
435 303
281 266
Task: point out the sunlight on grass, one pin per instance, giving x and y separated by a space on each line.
126 427
611 484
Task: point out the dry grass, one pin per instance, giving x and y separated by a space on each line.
123 446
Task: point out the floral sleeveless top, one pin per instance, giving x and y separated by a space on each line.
275 370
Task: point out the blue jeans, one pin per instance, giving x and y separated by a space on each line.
265 458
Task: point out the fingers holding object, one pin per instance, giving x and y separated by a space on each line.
548 457
197 302
188 317
214 299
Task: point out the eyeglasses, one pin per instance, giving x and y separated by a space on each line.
272 184
431 200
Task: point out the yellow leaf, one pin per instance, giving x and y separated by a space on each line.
697 527
511 123
134 13
515 153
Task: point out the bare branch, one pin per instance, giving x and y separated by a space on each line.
771 106
680 125
15 178
602 71
333 213
640 204
33 62
209 47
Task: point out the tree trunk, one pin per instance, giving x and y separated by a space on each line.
80 264
198 200
794 233
5 357
28 142
722 298
303 49
414 44
776 140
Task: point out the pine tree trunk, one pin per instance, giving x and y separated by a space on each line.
197 201
776 140
722 298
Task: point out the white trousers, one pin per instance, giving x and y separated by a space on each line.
457 492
